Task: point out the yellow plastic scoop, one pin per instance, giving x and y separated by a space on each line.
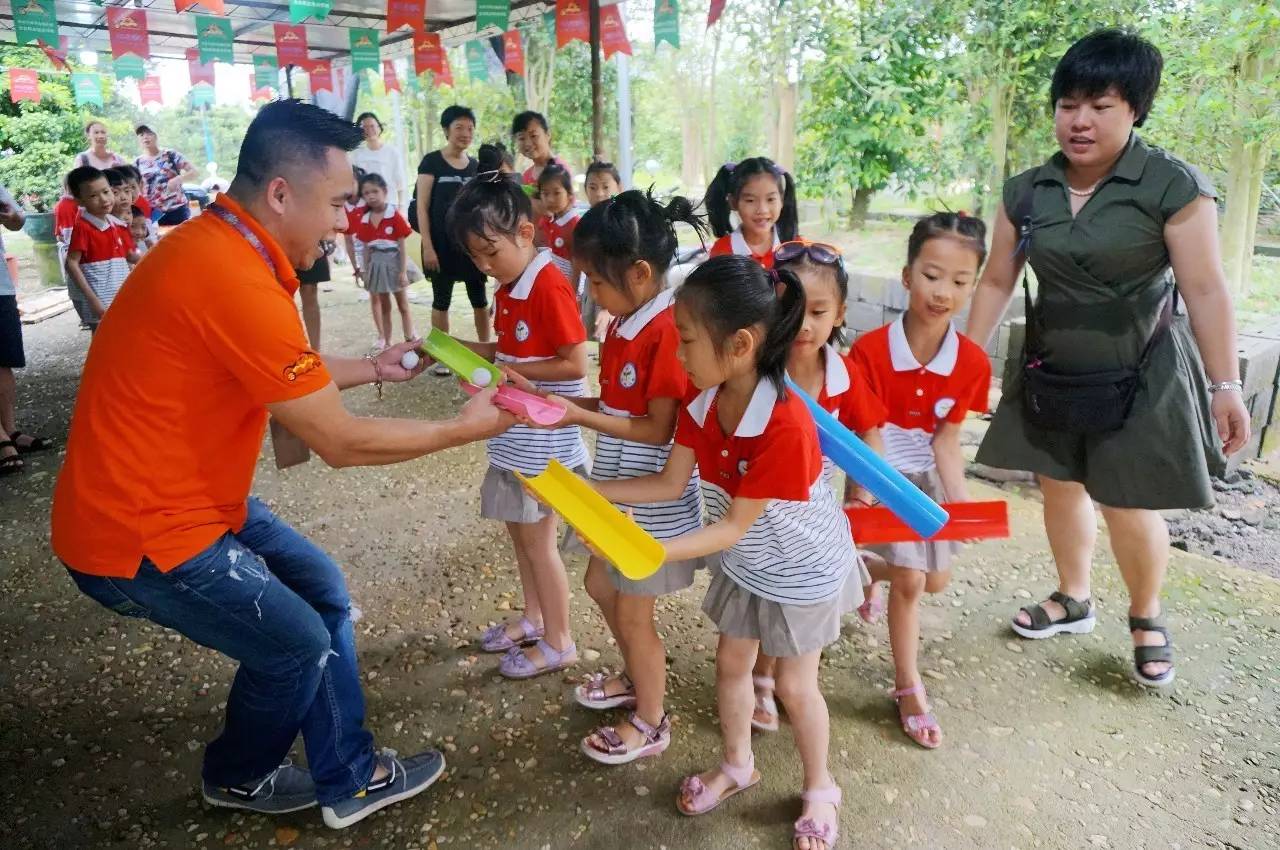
462 361
605 529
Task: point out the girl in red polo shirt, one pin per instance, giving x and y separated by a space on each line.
624 245
385 265
784 542
539 338
764 197
817 366
929 377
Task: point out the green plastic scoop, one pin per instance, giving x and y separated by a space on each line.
460 360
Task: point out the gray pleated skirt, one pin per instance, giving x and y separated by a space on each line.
503 497
383 272
784 631
921 555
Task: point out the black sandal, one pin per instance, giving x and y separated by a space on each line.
1144 655
37 444
1080 619
10 464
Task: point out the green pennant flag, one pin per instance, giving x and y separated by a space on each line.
549 21
300 10
495 13
666 22
214 39
35 19
202 95
365 54
129 65
266 72
87 88
477 62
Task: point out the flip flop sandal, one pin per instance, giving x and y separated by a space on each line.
516 664
495 638
615 751
704 800
917 726
811 829
37 444
1080 618
591 694
765 703
10 464
1144 655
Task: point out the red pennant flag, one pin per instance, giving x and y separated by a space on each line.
714 13
573 21
291 45
149 89
215 6
255 93
410 13
127 29
513 52
320 73
389 78
199 71
57 56
613 35
24 84
428 53
444 76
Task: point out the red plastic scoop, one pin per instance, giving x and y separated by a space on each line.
967 521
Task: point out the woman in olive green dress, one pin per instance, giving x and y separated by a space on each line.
1114 222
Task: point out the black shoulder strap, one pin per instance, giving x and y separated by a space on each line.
1023 220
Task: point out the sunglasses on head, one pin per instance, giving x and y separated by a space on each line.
819 252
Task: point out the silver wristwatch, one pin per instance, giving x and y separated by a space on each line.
1223 386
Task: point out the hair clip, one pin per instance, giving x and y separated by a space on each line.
729 166
494 176
777 170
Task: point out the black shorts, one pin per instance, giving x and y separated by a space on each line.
318 273
442 292
11 354
174 217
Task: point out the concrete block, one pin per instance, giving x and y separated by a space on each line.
1270 441
1259 361
893 294
861 316
1011 367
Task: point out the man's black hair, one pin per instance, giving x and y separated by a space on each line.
291 133
1107 59
78 177
524 119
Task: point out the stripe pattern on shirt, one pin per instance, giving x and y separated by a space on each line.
528 450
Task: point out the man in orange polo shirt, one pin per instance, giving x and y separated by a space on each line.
152 515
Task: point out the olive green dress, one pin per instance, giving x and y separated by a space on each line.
1103 277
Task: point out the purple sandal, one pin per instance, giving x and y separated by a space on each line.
918 726
656 740
495 637
591 694
703 798
810 828
516 665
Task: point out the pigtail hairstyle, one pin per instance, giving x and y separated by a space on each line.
728 293
615 234
487 206
728 183
954 225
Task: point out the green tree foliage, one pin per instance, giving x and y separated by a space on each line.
39 139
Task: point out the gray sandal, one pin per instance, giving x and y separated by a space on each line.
1144 655
1080 618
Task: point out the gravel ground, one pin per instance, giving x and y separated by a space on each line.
102 719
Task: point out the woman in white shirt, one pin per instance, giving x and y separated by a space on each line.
378 157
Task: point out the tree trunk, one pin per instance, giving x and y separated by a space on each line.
710 148
1244 183
691 171
785 155
597 88
861 203
1000 105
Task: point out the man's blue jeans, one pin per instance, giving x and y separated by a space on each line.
275 602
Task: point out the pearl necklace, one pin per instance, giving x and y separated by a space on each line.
1083 193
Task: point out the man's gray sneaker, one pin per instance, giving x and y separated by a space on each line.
288 788
405 778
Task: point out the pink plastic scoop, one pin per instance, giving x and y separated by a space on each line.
522 403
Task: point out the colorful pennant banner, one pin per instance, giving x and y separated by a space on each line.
613 35
127 29
202 95
291 44
320 73
428 54
573 21
300 10
87 88
215 6
714 13
128 66
149 91
266 72
214 39
493 14
365 53
199 72
406 13
24 84
444 77
389 79
477 62
58 55
256 94
34 20
513 52
666 22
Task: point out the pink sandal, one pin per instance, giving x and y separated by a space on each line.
495 638
765 703
810 828
591 694
516 664
704 800
917 726
872 608
615 751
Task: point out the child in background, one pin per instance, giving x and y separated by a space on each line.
494 156
624 246
602 182
134 181
65 214
101 250
540 337
356 209
385 267
764 197
835 382
123 201
140 230
929 377
556 227
786 550
532 136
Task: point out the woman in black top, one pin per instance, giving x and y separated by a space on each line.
440 175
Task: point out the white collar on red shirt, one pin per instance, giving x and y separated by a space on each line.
836 381
738 242
100 223
943 363
524 284
387 212
630 327
566 218
756 417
